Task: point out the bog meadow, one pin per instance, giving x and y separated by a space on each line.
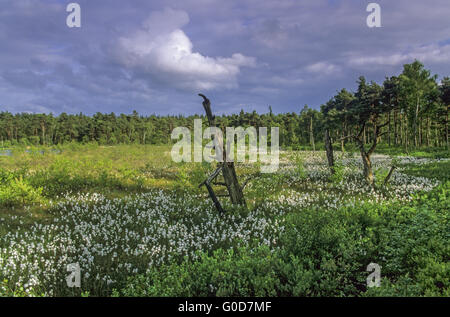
363 180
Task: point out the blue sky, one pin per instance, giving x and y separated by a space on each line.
155 56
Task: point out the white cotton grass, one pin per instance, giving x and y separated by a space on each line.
315 189
110 239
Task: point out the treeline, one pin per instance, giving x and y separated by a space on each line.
110 129
412 106
409 110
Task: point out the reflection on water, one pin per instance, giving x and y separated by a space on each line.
5 153
10 153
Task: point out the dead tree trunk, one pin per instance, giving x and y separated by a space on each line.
329 150
227 168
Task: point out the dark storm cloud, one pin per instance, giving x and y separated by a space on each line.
155 56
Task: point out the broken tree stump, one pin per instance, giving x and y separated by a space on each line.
235 191
329 150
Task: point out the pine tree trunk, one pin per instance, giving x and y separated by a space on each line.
436 135
446 129
43 133
415 122
420 133
395 129
406 137
311 134
364 136
389 128
368 174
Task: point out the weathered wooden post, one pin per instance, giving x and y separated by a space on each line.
213 196
329 150
227 168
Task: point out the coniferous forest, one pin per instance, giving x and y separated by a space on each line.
413 108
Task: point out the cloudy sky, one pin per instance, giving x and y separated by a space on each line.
155 56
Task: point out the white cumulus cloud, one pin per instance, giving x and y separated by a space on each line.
162 50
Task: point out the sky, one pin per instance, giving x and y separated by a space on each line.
156 56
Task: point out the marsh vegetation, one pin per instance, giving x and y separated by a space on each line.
139 225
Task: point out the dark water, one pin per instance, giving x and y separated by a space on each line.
5 153
10 153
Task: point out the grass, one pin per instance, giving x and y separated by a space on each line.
138 224
436 170
422 152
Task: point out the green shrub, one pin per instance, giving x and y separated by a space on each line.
15 191
18 291
224 273
339 172
322 254
300 167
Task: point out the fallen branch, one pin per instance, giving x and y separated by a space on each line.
211 177
345 138
214 199
213 196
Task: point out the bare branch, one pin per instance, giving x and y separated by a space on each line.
388 177
372 148
249 179
346 137
361 131
382 125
